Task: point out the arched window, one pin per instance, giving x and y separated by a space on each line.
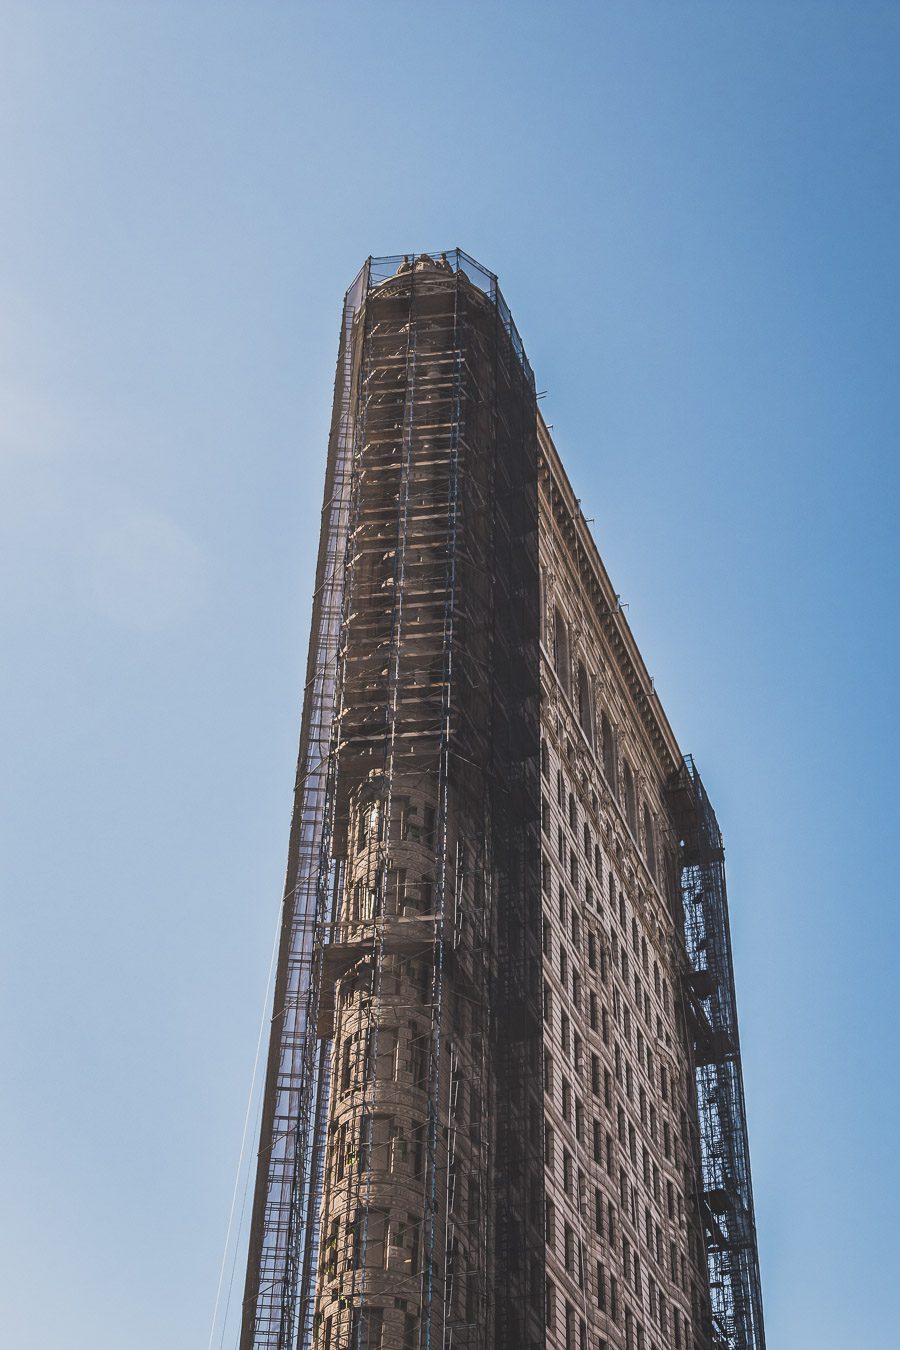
584 703
609 749
628 796
649 841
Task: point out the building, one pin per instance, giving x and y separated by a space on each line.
503 1105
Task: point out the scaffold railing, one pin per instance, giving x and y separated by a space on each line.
434 422
711 1015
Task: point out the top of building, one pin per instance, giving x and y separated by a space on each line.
375 272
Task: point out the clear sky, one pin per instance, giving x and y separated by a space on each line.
693 211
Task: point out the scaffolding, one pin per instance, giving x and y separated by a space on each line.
399 1187
296 1077
711 1019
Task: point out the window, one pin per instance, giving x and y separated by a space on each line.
368 823
608 749
369 1229
628 796
399 818
649 841
346 1063
561 649
601 1286
405 1244
367 1327
418 1055
584 703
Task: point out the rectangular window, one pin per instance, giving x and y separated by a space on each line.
550 1305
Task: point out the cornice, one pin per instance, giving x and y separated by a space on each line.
575 532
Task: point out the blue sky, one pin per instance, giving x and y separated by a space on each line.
693 211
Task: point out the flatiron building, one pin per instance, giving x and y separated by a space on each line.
503 1106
